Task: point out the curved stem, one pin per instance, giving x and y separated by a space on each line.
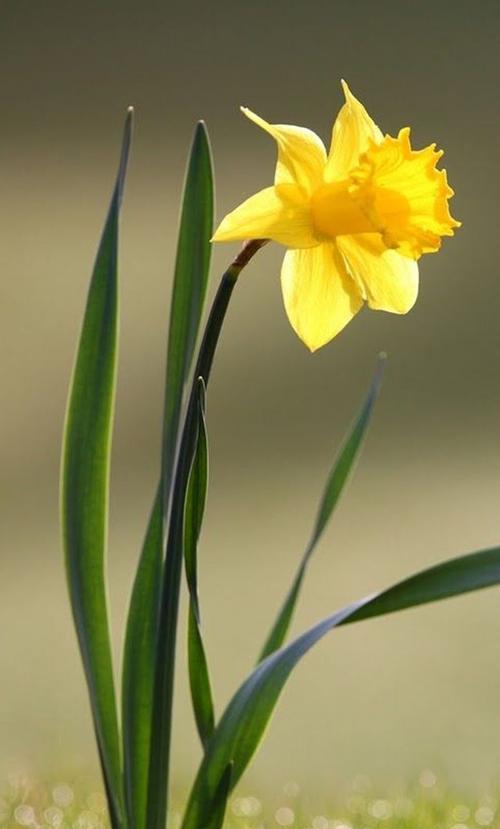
169 602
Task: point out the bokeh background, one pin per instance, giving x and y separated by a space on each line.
385 698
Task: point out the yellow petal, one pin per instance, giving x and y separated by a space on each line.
301 154
278 213
388 280
351 135
404 195
320 297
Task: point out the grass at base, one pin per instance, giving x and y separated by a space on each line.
426 804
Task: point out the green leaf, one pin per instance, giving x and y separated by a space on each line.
169 602
199 680
138 662
218 810
243 723
192 269
201 694
337 479
85 486
195 498
189 289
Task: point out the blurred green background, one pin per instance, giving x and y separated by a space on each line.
385 698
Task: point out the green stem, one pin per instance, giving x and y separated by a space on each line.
169 602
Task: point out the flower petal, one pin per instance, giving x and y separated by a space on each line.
320 297
278 213
388 280
301 153
351 135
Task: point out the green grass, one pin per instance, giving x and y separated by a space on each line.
425 804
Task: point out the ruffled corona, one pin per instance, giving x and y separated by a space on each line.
403 195
354 220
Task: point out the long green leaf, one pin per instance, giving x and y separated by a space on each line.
242 725
201 693
169 602
138 661
337 479
192 269
220 800
189 289
85 485
199 680
195 498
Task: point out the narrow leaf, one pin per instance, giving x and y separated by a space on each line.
218 808
192 268
189 289
138 661
199 680
85 485
242 725
201 694
337 479
169 602
195 498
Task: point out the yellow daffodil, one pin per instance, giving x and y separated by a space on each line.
355 220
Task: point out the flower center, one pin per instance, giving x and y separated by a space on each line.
336 213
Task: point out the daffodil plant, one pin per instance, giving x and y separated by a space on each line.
355 222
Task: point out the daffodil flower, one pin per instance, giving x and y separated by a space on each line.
354 221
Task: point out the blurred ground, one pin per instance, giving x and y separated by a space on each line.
78 801
388 697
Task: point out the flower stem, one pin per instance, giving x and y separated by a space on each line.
169 602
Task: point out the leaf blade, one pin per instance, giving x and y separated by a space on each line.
241 727
199 679
191 275
85 486
339 474
188 294
169 602
137 676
